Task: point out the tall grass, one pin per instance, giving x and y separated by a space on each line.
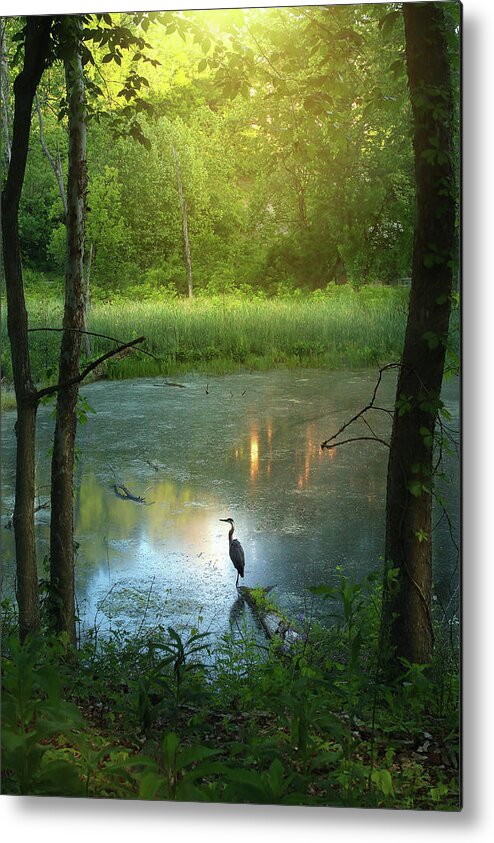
342 327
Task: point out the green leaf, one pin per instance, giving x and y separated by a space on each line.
58 778
149 785
415 488
192 754
275 777
383 780
170 745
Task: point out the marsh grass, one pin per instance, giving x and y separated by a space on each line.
340 327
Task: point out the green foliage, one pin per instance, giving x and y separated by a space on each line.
271 198
34 715
163 716
338 327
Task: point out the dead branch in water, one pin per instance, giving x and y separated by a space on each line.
123 493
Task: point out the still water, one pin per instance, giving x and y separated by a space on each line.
245 446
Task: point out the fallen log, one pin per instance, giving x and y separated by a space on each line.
122 492
171 383
274 624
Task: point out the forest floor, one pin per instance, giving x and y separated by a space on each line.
164 716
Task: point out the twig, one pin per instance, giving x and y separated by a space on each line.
361 413
93 334
147 606
355 439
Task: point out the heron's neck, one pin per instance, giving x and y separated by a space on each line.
230 534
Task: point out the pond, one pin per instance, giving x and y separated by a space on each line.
245 446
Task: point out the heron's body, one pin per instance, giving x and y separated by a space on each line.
236 550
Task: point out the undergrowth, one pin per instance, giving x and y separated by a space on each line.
160 716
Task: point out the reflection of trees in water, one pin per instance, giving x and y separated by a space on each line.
258 464
101 513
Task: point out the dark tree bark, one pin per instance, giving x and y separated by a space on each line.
37 41
62 485
406 622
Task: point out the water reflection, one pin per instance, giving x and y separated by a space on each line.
302 514
254 454
259 452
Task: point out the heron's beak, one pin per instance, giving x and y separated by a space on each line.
225 519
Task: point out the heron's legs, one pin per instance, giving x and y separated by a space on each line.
236 584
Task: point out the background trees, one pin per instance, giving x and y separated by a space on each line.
293 131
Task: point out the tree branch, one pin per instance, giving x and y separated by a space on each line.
355 439
51 390
93 334
370 406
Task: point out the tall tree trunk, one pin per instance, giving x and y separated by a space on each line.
185 228
62 481
87 300
4 94
55 164
407 623
35 56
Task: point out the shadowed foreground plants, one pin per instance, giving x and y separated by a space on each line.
158 716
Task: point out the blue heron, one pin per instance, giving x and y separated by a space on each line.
236 550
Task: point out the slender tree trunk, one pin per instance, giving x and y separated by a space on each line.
62 482
407 622
35 56
4 94
54 164
185 228
87 300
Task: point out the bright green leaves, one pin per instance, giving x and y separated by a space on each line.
415 487
34 716
83 409
180 772
427 436
383 781
420 483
